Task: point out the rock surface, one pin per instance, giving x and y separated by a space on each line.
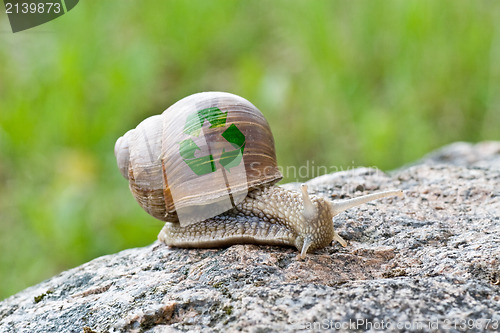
427 262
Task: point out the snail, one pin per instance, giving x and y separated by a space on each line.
207 167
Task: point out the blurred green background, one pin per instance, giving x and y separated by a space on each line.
370 83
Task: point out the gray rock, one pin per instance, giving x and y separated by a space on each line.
427 262
484 154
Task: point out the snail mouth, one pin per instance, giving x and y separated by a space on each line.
306 243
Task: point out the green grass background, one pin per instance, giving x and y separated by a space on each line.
342 83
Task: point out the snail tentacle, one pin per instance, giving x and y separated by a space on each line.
340 206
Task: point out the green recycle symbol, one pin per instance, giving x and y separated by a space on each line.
205 164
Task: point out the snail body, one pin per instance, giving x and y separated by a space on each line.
273 216
221 191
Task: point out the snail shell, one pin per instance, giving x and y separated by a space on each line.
178 164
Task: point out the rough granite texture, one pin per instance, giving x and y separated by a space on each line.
427 262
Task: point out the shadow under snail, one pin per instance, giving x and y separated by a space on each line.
207 167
